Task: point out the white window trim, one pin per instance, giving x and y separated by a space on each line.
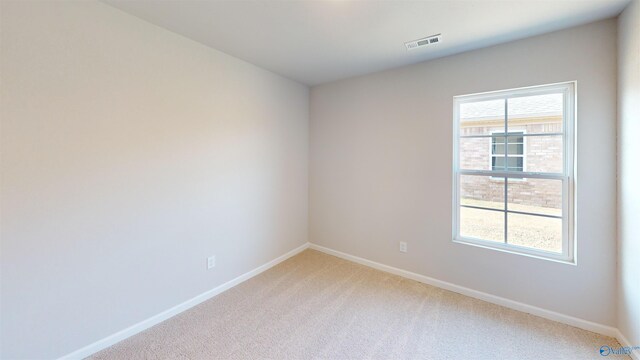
569 252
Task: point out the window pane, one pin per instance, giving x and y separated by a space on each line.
536 114
483 191
475 153
498 148
482 224
536 232
517 149
515 139
482 117
544 154
538 196
515 163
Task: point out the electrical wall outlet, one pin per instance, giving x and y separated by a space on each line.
403 246
211 262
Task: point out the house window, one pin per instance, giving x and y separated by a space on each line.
529 210
514 159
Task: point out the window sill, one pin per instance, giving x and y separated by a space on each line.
501 179
517 250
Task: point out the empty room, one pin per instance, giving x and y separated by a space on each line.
319 179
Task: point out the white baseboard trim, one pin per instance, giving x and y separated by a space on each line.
515 305
156 319
635 354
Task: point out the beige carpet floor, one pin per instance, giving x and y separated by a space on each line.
316 306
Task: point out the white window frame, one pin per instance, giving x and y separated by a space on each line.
568 89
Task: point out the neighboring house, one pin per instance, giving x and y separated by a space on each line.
541 114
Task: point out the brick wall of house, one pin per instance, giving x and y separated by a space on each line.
542 154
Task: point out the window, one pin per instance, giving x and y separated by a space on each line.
514 169
515 151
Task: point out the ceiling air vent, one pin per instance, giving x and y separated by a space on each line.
431 40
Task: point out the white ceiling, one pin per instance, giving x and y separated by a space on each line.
315 42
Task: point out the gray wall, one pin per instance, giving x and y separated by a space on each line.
129 155
629 173
381 162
